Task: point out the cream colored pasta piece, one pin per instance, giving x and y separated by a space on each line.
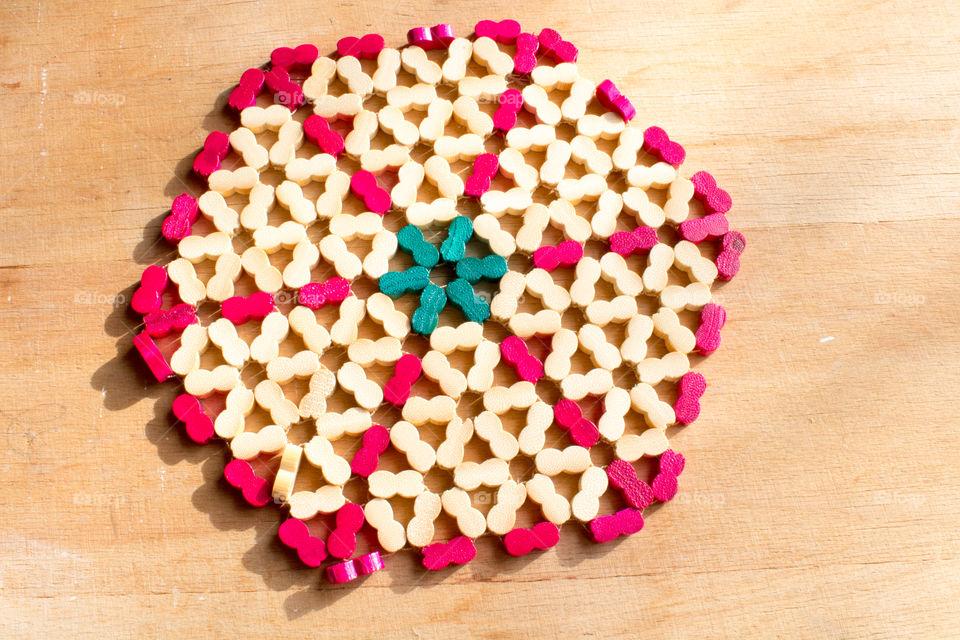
287 472
573 459
470 521
313 404
406 438
658 414
381 310
464 337
586 503
250 444
436 367
502 516
223 333
189 287
319 452
307 504
667 325
651 442
352 75
499 400
204 382
269 396
616 404
352 378
438 410
415 61
273 330
365 352
595 382
385 484
489 428
486 357
533 435
390 534
426 510
492 472
232 420
451 451
554 506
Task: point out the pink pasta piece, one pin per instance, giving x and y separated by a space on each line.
504 32
712 319
216 146
285 91
443 33
665 484
623 476
318 131
485 168
612 100
525 58
672 462
440 555
319 294
367 47
179 224
245 94
569 417
692 387
505 117
558 49
369 563
367 458
705 189
364 185
709 227
303 56
342 572
542 536
656 142
151 355
163 321
310 549
728 260
639 241
239 310
406 372
623 523
566 254
517 355
343 539
255 490
198 425
149 296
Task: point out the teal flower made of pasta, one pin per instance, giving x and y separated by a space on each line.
433 298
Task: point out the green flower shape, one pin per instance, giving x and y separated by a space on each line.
434 298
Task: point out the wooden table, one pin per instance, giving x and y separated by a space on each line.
820 496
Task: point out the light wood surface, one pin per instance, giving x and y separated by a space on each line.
820 497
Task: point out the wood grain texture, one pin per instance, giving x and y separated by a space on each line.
820 495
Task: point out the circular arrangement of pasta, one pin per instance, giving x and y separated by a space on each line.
454 281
